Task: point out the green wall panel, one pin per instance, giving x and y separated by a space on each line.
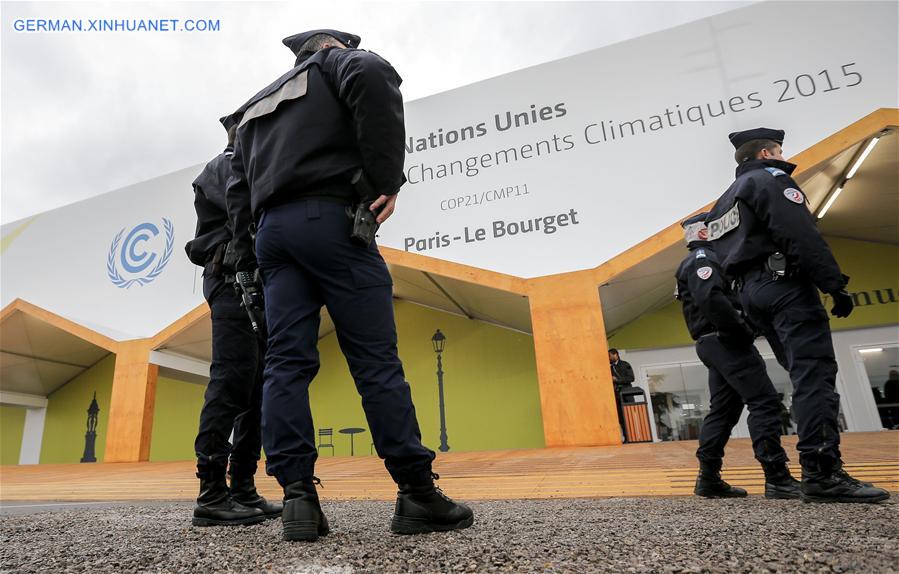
176 419
873 270
490 385
490 388
872 267
12 424
662 328
66 420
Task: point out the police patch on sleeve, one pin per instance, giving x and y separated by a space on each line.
704 273
794 195
775 172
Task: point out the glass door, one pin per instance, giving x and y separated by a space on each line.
679 395
882 369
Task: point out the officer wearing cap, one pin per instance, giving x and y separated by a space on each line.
233 400
737 375
766 239
304 146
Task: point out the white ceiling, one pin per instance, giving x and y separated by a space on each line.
868 207
471 300
643 288
37 358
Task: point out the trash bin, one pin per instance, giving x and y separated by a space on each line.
636 415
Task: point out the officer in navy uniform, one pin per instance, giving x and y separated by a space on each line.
300 143
737 374
766 239
233 398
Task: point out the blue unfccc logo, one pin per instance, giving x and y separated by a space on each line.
136 257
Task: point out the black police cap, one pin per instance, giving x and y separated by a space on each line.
698 218
739 138
296 41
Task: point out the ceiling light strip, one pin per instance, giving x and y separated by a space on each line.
862 157
833 197
855 166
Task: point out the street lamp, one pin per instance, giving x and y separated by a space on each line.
439 342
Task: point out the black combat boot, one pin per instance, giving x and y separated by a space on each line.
215 507
424 508
710 485
302 518
824 480
779 483
243 491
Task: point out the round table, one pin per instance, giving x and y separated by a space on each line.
351 431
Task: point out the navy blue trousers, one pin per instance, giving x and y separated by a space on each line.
790 315
308 261
737 376
233 397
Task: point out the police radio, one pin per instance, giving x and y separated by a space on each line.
365 222
247 286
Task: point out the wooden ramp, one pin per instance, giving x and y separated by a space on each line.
665 469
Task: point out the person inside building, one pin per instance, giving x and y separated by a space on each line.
737 374
325 138
766 239
891 388
233 400
888 405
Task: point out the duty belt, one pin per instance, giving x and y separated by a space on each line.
774 266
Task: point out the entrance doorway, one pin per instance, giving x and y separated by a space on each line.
881 366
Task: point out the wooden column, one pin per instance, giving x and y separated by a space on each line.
132 403
576 393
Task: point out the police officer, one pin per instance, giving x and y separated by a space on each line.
766 238
233 398
737 373
335 118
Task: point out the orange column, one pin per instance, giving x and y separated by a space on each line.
132 403
576 392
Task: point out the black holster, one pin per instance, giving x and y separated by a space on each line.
214 267
777 265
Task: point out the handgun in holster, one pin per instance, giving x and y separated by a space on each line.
215 264
776 264
365 223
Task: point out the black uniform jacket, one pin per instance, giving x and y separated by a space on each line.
212 213
764 212
623 371
308 133
709 304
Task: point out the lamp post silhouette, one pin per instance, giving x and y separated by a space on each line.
439 341
90 437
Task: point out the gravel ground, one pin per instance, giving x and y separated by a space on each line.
631 535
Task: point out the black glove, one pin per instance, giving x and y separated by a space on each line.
842 303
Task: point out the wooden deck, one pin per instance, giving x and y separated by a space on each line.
666 469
